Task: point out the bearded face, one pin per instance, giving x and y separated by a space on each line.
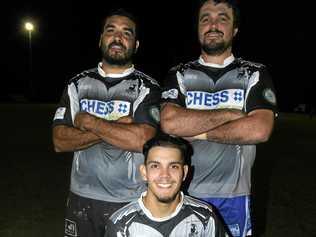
214 43
118 41
116 53
164 173
216 28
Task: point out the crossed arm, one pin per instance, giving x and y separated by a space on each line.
89 130
222 126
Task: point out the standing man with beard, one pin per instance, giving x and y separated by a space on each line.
163 210
224 106
105 116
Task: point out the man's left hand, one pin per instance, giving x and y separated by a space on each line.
85 121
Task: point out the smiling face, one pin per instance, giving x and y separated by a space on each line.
216 28
164 172
118 41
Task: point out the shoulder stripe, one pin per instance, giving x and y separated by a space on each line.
125 211
87 73
142 75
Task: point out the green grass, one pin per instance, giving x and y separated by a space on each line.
35 180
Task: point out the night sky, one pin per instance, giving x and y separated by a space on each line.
65 43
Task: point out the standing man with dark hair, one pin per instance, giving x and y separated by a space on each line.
105 116
224 106
163 210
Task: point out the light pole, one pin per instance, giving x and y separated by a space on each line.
30 27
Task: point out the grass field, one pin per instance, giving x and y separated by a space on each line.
34 180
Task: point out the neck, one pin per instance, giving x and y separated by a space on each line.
160 209
114 69
216 59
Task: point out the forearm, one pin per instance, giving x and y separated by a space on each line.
71 139
184 122
129 136
252 129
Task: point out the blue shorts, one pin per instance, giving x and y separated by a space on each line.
235 212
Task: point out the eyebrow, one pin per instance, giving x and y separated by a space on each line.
204 15
124 28
219 14
224 14
171 163
129 29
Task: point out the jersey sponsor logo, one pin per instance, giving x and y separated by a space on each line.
70 228
110 110
170 94
232 98
60 113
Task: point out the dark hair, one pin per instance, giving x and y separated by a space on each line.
230 3
165 140
121 12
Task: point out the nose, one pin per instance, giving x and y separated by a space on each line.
164 173
213 24
118 35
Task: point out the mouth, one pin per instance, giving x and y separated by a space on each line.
164 185
213 35
116 47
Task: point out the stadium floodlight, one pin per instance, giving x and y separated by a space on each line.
29 27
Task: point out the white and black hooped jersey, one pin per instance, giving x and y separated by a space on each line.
220 170
192 218
102 171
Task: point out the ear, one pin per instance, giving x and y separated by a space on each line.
143 173
100 40
235 31
185 171
136 45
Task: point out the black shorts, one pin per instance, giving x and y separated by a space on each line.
87 217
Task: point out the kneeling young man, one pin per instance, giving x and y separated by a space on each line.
163 210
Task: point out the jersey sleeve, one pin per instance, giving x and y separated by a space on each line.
215 227
147 105
111 230
173 88
261 93
67 107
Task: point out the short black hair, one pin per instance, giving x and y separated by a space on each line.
121 12
165 140
230 3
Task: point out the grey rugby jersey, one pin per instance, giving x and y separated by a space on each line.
192 218
220 170
102 171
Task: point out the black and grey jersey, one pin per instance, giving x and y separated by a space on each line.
220 170
191 218
102 171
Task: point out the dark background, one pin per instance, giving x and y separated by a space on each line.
65 42
35 180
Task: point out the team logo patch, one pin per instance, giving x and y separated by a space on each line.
269 95
170 94
154 113
234 229
193 231
70 228
60 113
